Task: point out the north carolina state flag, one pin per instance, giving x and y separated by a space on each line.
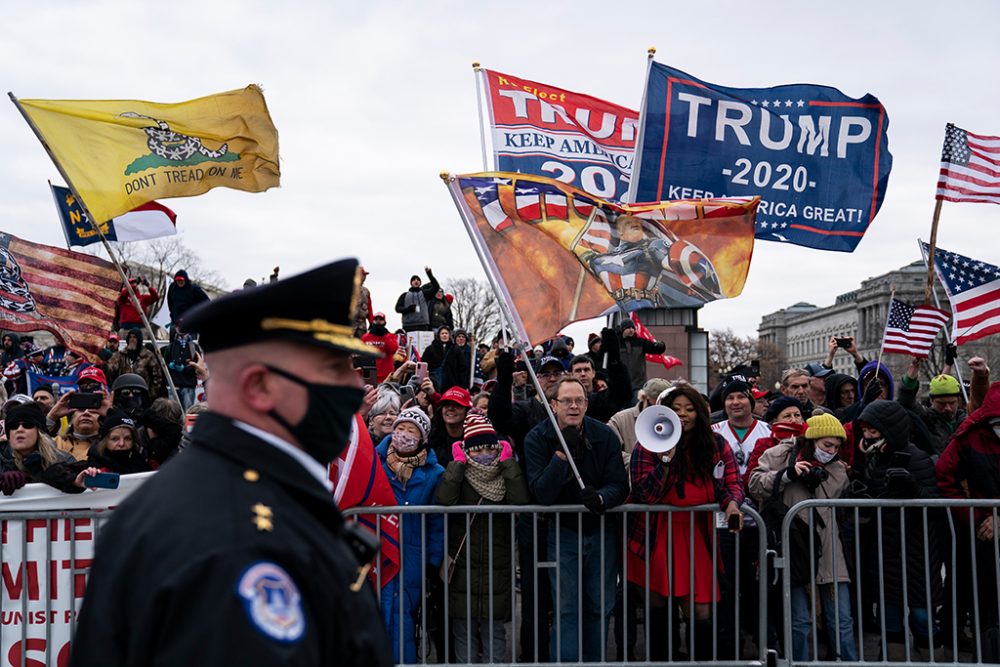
360 481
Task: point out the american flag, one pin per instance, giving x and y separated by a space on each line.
970 167
973 288
69 294
912 329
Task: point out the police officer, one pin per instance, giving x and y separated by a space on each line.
234 552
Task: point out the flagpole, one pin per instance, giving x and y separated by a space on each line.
947 332
472 359
508 319
518 327
892 295
931 248
61 223
634 178
479 105
83 206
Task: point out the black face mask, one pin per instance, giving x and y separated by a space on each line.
133 405
324 429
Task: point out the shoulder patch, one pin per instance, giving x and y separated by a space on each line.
272 602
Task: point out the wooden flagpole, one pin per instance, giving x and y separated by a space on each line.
932 246
107 247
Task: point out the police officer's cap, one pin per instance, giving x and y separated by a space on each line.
313 308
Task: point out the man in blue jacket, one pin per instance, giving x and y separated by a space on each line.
583 547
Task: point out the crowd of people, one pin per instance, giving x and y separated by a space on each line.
467 422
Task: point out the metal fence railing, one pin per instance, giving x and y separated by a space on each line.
916 584
920 584
583 592
45 558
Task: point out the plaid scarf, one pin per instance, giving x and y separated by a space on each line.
403 466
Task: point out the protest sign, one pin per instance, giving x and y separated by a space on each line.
46 559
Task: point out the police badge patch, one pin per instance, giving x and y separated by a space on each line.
272 601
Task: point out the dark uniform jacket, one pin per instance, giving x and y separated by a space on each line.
232 554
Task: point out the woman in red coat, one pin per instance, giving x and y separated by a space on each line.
700 470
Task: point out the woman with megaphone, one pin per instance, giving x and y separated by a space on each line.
679 461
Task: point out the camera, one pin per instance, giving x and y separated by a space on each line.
813 477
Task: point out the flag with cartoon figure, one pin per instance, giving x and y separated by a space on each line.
564 255
119 154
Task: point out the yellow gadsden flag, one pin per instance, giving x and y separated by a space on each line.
119 154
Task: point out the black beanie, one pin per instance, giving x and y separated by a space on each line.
116 418
25 413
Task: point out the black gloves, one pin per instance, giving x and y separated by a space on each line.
899 483
791 473
11 481
592 500
505 367
872 391
950 353
610 346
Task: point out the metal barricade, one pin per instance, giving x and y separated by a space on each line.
586 560
45 559
917 575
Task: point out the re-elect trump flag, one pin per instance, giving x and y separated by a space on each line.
818 159
564 255
67 293
574 138
148 221
119 154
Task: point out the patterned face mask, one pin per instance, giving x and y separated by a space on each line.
404 443
485 456
872 444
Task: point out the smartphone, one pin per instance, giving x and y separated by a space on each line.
421 371
102 480
369 375
900 460
844 342
755 366
85 401
736 523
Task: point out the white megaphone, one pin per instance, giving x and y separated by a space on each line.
658 429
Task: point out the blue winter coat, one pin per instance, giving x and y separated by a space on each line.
415 540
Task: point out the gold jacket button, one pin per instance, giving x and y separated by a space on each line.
251 475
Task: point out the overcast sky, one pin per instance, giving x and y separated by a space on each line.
373 99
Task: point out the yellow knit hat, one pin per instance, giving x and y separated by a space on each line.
824 426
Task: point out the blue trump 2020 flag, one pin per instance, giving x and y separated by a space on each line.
818 159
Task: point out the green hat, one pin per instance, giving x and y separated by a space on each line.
824 426
945 385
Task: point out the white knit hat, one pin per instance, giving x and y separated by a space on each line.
417 417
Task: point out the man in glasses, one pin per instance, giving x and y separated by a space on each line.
583 547
515 419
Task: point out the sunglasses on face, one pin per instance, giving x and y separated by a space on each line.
16 425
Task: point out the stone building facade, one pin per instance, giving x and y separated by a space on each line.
801 333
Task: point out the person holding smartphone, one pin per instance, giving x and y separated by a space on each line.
32 455
896 469
804 468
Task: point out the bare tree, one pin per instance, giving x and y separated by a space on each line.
475 308
772 362
159 259
726 351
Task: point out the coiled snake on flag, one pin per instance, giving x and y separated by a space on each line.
172 145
